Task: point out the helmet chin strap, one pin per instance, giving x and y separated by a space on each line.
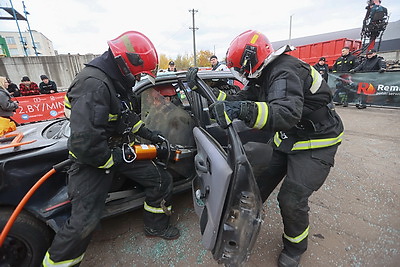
129 77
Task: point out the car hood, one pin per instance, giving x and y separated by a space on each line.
40 135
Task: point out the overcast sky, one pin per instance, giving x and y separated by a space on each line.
84 26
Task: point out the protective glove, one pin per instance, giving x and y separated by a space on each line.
224 112
381 70
156 137
152 136
117 155
191 76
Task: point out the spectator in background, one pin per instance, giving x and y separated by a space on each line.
216 65
47 86
26 87
346 62
373 62
322 68
171 66
13 88
7 106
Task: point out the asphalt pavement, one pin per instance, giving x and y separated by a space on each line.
354 217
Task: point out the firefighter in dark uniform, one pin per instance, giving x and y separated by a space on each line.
289 97
346 62
100 106
322 68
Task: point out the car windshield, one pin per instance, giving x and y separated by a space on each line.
165 110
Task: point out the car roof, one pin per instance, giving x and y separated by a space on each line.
181 75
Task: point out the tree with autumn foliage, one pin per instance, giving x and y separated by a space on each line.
184 62
203 58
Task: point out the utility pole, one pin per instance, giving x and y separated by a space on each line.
194 36
20 35
29 28
290 29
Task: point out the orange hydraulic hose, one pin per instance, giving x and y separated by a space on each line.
28 195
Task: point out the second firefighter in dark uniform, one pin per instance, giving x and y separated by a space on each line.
100 106
289 97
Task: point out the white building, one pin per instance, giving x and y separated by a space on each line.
44 46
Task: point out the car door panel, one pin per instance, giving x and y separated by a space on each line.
226 198
210 162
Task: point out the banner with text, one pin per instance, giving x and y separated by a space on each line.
382 89
39 107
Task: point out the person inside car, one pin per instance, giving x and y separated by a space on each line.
289 97
99 104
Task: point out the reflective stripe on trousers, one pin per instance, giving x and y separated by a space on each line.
298 238
151 209
47 262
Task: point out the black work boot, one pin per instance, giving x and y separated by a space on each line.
286 260
169 233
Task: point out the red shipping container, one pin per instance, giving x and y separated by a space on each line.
331 50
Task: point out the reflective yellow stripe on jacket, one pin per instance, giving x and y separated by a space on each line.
298 238
317 143
109 163
311 144
317 80
262 115
151 209
112 117
47 262
137 126
221 96
277 139
67 107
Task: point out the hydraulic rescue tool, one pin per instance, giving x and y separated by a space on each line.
161 153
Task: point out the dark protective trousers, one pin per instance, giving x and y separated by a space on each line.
304 172
88 189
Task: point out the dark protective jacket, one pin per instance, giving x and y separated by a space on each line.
377 9
101 109
345 63
374 63
46 88
323 70
13 90
295 102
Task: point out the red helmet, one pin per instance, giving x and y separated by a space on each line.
248 52
135 54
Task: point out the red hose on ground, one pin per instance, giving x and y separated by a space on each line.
21 205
